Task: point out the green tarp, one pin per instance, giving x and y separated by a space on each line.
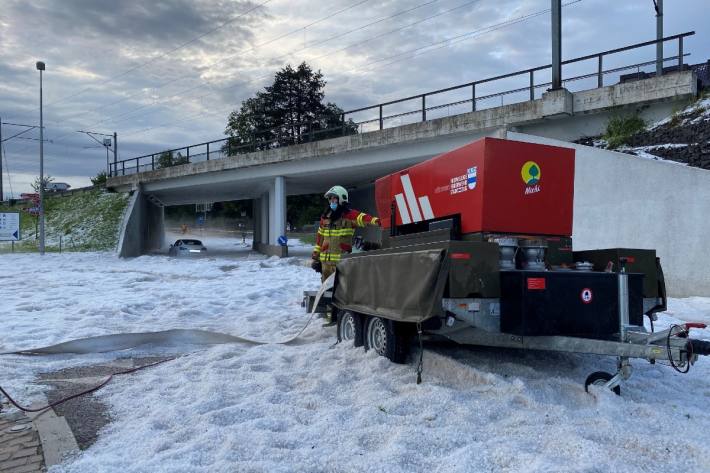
402 286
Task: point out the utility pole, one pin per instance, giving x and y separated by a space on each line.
556 9
40 68
659 35
106 143
115 154
1 154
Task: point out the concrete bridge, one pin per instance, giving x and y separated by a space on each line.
355 161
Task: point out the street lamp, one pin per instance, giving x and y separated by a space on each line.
107 145
40 68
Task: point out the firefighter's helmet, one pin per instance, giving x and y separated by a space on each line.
339 192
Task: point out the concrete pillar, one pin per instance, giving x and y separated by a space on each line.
270 219
264 219
277 210
155 227
256 236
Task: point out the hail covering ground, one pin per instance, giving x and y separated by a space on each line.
309 406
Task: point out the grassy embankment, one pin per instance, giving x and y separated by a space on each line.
86 221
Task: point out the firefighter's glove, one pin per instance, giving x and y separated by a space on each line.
317 266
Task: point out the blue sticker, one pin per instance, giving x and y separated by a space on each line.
471 180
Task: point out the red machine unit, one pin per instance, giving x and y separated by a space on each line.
497 186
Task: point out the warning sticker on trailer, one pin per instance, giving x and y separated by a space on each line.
536 284
586 295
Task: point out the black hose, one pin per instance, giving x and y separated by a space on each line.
700 347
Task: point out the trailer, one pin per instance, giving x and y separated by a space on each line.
476 248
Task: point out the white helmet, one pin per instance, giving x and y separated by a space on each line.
339 192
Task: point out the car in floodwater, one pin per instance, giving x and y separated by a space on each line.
187 247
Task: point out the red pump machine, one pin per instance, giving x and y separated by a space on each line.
494 185
476 248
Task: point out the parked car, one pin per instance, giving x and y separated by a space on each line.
57 186
185 247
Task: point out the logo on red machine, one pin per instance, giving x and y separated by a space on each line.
464 182
586 295
531 174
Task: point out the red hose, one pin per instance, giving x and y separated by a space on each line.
95 388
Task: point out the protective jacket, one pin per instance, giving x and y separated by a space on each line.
336 230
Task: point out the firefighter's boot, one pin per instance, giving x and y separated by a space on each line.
330 319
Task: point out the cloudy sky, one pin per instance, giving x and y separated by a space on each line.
164 74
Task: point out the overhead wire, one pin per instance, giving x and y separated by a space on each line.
222 59
152 60
397 57
370 39
359 43
291 32
163 54
418 51
462 37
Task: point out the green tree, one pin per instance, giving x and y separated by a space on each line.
100 179
47 181
168 159
304 209
290 111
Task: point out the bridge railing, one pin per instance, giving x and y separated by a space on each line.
401 112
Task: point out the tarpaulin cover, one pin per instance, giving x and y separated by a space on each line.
403 286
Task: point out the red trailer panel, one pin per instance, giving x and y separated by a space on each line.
497 186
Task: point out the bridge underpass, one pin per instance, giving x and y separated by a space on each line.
355 161
268 186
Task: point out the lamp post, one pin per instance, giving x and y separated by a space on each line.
107 145
40 68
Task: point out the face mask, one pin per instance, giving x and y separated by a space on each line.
333 205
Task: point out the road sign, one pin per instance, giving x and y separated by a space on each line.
10 226
200 220
206 207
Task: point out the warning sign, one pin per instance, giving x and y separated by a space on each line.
586 295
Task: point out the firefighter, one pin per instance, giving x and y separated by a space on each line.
335 233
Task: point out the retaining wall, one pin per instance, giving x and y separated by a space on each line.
627 201
143 227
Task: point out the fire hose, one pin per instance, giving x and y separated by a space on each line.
123 341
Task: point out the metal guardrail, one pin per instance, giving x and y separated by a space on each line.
310 131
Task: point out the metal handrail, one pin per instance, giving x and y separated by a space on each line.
254 142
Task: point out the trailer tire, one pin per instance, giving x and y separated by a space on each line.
387 338
600 378
350 328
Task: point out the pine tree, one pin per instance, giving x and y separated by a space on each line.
290 111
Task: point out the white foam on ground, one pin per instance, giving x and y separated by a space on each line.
307 407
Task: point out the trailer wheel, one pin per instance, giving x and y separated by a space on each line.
350 328
600 378
387 339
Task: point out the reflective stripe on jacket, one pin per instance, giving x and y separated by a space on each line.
335 237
